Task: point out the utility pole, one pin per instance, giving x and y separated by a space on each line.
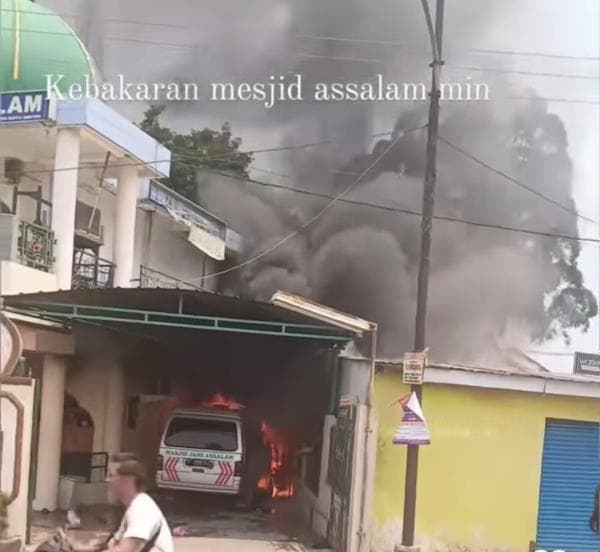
412 455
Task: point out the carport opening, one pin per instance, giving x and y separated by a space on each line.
142 354
281 387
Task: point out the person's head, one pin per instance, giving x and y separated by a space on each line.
127 476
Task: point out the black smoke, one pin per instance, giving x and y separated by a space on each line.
484 281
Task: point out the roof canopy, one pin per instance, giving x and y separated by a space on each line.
172 308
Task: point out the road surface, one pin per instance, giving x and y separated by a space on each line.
235 545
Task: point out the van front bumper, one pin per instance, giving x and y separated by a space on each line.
209 489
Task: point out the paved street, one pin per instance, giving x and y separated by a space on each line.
211 523
235 545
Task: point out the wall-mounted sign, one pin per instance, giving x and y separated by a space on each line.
413 428
25 107
587 363
413 367
180 208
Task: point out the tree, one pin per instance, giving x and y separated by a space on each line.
199 149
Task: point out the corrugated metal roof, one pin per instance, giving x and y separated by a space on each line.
396 364
174 302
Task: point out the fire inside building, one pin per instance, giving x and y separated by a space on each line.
221 398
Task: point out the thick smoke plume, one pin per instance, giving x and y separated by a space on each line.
362 259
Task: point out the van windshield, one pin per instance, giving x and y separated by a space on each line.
199 433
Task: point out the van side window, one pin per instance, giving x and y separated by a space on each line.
198 433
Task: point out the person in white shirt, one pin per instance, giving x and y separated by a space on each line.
143 528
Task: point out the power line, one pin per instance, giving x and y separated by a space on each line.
151 42
533 54
290 147
550 100
108 38
352 40
484 51
528 73
399 210
403 210
221 157
513 180
109 20
147 23
339 58
311 221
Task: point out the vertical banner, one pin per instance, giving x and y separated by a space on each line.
413 428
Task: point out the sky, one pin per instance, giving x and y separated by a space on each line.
568 29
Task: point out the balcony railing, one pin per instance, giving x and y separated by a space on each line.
153 278
35 246
91 271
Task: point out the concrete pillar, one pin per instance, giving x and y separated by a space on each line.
124 236
114 408
50 433
64 199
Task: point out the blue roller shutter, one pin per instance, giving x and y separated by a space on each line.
570 475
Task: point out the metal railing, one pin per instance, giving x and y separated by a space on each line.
35 246
91 271
150 278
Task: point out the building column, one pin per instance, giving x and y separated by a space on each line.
114 408
50 433
64 200
124 236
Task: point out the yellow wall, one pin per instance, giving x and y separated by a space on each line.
479 479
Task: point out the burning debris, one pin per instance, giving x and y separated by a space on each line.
221 401
282 463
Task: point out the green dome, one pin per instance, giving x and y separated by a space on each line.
35 42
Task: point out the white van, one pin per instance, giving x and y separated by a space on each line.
202 450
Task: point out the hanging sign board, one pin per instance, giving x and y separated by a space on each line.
212 245
413 368
413 428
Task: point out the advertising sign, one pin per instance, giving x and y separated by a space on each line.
587 363
413 367
413 428
24 107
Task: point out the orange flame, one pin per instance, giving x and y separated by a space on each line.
221 401
283 485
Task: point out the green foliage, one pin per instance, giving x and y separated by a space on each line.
199 149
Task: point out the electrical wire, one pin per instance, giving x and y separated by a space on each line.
339 58
550 100
399 210
341 199
513 180
515 72
484 51
220 157
406 211
533 54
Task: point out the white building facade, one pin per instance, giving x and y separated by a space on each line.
81 207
